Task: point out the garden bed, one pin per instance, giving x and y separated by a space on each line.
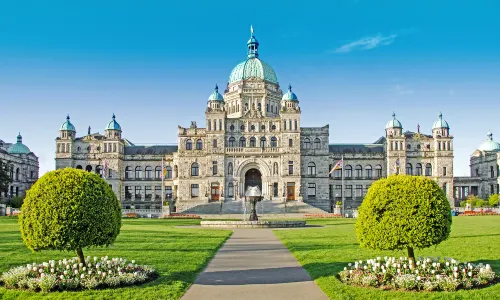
68 274
429 274
182 216
322 216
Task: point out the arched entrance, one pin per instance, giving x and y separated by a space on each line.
253 177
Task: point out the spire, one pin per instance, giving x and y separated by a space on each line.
289 87
440 116
19 138
114 117
489 135
216 88
394 115
67 118
253 45
418 127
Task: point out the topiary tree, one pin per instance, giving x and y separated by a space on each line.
403 212
69 209
493 200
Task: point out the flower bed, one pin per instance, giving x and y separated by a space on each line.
429 274
322 216
182 216
479 213
130 216
68 274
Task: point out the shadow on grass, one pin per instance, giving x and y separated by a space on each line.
472 236
320 270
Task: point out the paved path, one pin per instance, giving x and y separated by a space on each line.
254 264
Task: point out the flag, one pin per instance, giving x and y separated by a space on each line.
338 165
104 170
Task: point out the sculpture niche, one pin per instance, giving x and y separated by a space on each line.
253 195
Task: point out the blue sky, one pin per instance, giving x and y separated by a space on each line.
154 64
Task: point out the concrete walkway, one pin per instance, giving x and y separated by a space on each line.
254 264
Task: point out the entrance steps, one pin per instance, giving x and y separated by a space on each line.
264 207
323 204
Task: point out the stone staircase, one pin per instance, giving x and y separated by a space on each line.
323 204
236 207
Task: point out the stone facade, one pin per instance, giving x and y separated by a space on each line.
24 168
253 136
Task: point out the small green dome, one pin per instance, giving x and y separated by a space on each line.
394 123
440 123
289 95
19 147
216 96
489 144
113 125
67 126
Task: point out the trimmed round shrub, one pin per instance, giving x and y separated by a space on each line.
403 212
493 200
69 209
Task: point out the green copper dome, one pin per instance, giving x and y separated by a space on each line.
67 125
19 147
253 67
113 125
489 144
289 95
440 123
216 96
394 123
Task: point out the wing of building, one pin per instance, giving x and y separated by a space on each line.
253 136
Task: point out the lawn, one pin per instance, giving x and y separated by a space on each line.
325 251
178 254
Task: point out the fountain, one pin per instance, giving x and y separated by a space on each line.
253 195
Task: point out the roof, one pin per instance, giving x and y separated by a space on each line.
440 123
113 125
67 125
356 148
394 123
151 150
289 95
216 96
19 147
490 145
410 134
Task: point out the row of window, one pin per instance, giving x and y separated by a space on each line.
253 141
492 171
418 170
16 175
358 172
138 191
148 172
395 145
66 147
315 145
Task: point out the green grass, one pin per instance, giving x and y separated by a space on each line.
325 251
178 254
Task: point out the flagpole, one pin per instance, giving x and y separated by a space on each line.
343 197
162 185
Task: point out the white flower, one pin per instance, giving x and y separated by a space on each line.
383 271
95 258
76 272
35 269
365 267
350 271
80 265
43 275
455 269
90 272
133 261
84 269
103 274
40 271
433 272
110 272
434 265
470 274
438 276
345 269
62 277
447 263
378 258
67 267
488 267
51 270
82 276
455 274
349 264
399 271
418 277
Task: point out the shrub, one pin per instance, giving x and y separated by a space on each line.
493 200
403 212
463 203
69 209
16 202
481 203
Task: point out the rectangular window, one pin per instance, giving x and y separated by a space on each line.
290 168
114 147
215 143
379 172
444 171
284 125
275 189
337 173
195 191
168 192
348 191
157 192
209 125
290 124
138 192
338 192
290 143
220 125
348 173
359 190
311 190
330 191
147 192
296 124
128 192
214 168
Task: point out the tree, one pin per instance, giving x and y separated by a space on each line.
17 202
493 200
69 209
5 178
403 212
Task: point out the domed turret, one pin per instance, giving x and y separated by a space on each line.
440 127
253 67
67 130
489 144
289 95
216 96
394 127
113 130
19 147
440 123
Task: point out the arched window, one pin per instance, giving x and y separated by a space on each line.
428 170
231 127
138 172
88 168
262 142
317 143
408 146
311 168
348 171
189 144
231 141
409 169
230 189
275 168
17 174
128 172
158 172
307 143
252 141
359 171
246 106
195 170
378 171
98 170
168 174
243 142
418 170
79 167
230 168
274 142
259 106
199 145
369 173
242 127
149 173
252 128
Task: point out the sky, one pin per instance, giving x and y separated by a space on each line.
154 64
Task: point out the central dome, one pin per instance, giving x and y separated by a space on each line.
253 67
